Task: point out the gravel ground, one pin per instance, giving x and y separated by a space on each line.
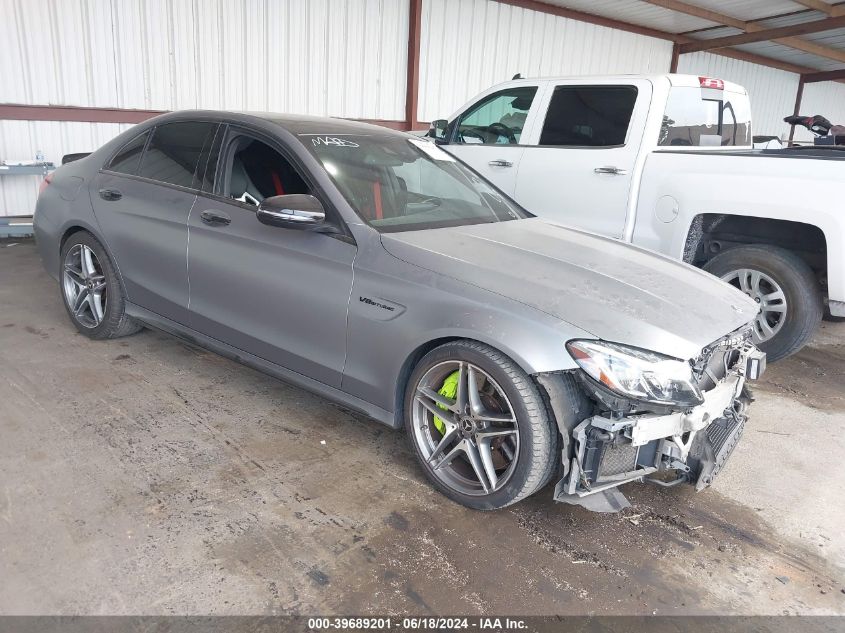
147 476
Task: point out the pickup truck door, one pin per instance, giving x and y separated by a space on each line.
488 135
577 168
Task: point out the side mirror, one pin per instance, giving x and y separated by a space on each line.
437 130
294 211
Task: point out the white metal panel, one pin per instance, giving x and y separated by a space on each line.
826 98
324 57
772 91
21 140
750 9
469 45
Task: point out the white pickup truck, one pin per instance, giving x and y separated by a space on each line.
666 162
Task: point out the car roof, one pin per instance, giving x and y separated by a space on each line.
298 124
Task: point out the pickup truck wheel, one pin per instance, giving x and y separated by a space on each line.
478 426
788 292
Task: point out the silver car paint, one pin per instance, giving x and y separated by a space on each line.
615 292
483 282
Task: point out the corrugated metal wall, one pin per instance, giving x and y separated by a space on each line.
332 57
22 139
469 45
772 91
335 57
327 57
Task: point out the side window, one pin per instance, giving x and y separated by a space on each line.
174 152
589 116
706 117
126 161
256 171
209 159
497 119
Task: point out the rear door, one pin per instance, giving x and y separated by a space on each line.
280 294
489 135
142 198
582 153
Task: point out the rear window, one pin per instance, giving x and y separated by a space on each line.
174 152
706 117
589 116
126 161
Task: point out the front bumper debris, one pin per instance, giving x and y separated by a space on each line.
612 448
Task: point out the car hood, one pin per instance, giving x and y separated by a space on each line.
615 291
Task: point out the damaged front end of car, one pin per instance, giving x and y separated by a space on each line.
633 415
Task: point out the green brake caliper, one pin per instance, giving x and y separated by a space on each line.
448 390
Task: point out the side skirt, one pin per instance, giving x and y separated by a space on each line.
337 396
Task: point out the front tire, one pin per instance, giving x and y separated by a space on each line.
478 426
786 289
92 292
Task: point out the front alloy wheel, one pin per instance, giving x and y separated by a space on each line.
471 441
478 426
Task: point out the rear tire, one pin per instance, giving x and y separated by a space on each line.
801 293
91 290
506 391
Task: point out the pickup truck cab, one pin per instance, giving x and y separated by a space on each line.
666 162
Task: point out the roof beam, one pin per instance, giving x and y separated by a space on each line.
804 28
752 58
830 75
727 20
817 5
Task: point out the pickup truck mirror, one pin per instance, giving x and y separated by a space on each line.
438 129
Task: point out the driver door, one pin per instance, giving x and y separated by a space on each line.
488 135
280 294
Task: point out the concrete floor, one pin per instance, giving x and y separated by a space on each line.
144 476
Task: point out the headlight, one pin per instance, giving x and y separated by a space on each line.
637 374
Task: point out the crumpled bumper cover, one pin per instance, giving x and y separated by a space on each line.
607 451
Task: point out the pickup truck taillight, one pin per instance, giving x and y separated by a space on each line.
709 82
47 180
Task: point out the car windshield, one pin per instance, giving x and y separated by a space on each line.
396 183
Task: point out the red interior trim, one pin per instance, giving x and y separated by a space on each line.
377 200
277 183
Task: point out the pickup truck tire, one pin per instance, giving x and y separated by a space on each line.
788 272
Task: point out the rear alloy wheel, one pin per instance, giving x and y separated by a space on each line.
85 286
478 426
785 288
768 295
92 292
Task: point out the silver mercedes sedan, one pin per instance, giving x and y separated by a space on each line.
376 270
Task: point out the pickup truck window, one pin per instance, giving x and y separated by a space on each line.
589 116
705 117
498 118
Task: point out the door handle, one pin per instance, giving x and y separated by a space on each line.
215 218
110 194
615 171
500 163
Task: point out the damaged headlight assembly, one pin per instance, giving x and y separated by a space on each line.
637 374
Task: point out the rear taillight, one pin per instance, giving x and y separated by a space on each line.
709 82
47 180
